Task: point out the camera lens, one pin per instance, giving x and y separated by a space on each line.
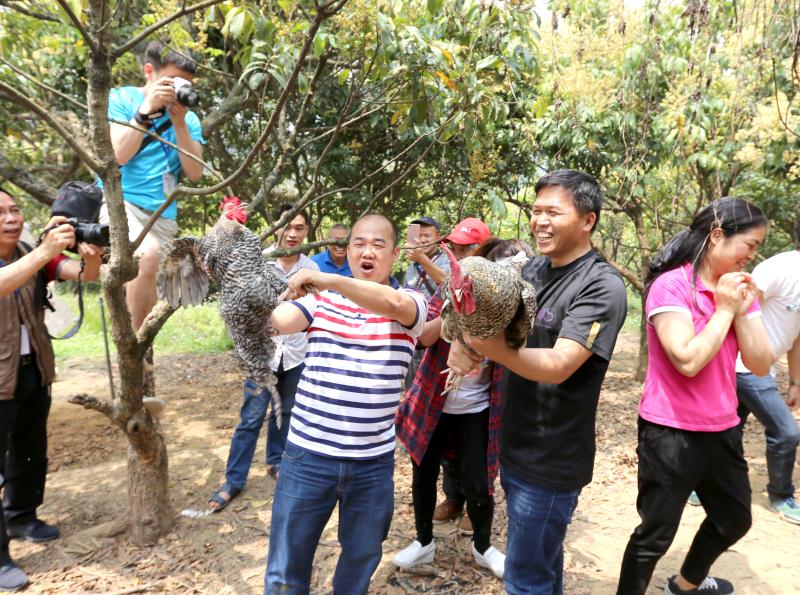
92 233
187 96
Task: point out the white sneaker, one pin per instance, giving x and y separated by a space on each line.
415 554
493 559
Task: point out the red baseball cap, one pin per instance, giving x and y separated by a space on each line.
469 231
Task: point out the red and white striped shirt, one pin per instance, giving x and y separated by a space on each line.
354 368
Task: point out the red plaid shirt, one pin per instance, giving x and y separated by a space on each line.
421 408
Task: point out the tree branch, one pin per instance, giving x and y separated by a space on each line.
153 323
39 190
76 22
43 86
68 136
100 405
42 17
116 53
628 274
275 252
161 139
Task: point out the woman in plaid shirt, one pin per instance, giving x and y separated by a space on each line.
464 424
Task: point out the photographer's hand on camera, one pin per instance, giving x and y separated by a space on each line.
57 237
160 96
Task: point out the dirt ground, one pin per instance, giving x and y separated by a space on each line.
226 552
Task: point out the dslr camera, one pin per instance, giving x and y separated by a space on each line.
80 203
184 90
91 233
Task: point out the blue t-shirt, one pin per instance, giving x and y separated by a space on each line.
143 175
326 264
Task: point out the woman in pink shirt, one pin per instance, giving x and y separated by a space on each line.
701 311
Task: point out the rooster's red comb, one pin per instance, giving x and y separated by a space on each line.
233 209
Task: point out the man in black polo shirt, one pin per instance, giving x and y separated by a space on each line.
547 442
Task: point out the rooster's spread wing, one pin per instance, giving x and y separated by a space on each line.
181 280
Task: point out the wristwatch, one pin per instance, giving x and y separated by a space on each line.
143 119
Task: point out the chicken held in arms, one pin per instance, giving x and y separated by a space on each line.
231 255
485 298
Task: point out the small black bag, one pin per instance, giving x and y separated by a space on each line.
80 200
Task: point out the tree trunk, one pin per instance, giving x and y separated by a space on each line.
149 504
641 367
150 513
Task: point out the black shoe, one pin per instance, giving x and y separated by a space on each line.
12 578
35 531
709 586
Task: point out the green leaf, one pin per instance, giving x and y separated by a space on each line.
318 47
286 5
434 6
488 62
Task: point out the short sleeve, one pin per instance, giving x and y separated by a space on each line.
52 268
670 292
118 107
595 317
193 123
767 279
415 330
308 305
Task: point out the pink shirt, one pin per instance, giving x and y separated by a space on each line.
707 402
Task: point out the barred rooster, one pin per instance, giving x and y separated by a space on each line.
249 288
484 298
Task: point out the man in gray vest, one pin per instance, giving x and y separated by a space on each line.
27 367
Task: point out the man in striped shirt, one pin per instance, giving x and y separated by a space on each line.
340 448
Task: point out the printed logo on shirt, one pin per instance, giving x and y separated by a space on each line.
593 332
793 307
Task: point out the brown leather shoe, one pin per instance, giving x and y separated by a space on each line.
465 526
447 511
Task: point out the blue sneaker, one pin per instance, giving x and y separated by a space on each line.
787 508
694 499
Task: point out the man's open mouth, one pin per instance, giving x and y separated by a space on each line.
367 266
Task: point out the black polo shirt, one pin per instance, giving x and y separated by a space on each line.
548 434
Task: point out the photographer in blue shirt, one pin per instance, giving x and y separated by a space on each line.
151 169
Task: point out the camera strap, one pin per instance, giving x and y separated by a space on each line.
163 127
77 326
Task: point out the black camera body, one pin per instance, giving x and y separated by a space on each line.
80 203
91 233
185 93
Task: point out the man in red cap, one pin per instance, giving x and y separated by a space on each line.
467 236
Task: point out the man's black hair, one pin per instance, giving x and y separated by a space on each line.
288 207
586 193
157 54
4 191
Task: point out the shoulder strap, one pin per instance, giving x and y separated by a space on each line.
163 127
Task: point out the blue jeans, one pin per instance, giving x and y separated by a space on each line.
537 525
251 418
276 438
308 489
759 395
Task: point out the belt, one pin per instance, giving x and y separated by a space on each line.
27 359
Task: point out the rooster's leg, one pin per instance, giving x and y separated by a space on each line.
452 383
